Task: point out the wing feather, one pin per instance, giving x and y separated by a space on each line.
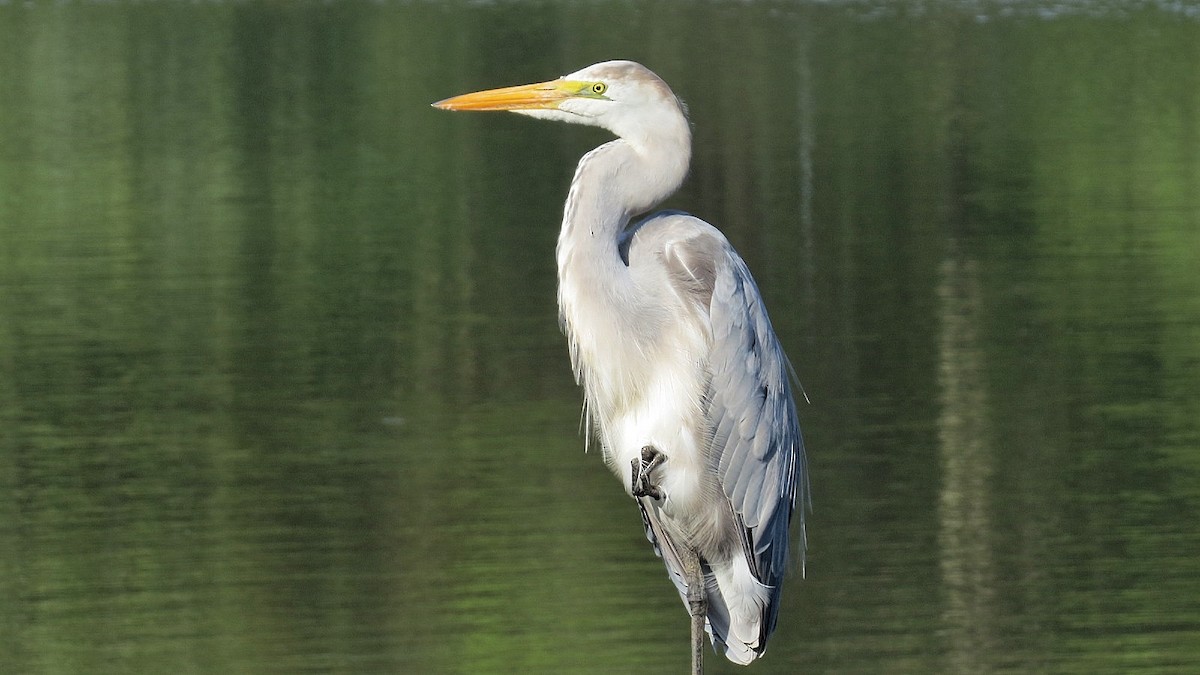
761 467
753 434
756 445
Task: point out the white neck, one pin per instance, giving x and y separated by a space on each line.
612 184
596 298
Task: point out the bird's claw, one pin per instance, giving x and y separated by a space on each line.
642 466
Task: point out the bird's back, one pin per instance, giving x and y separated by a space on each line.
746 429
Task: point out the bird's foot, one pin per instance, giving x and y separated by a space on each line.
642 466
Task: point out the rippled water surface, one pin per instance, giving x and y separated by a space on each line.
282 387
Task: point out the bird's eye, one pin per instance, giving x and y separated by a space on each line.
599 88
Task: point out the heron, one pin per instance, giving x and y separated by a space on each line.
686 387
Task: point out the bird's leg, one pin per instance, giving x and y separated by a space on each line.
642 466
697 605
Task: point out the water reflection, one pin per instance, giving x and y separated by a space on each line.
281 385
968 569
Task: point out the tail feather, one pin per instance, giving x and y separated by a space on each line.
739 607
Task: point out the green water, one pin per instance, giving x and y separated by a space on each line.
282 387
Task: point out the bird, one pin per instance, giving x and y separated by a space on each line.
686 387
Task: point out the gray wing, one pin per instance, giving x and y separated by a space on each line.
755 444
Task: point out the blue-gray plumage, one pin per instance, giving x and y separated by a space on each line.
753 440
685 383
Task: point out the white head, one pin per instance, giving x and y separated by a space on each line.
622 96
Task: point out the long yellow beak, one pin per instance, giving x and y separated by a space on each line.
522 97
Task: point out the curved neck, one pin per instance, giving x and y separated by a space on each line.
596 298
612 184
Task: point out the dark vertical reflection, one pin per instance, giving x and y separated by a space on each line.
966 529
259 350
